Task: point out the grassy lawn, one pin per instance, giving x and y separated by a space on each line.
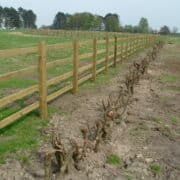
10 40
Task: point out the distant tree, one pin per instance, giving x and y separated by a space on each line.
28 18
136 29
128 28
143 25
82 21
112 22
164 30
1 16
98 23
175 30
11 18
60 21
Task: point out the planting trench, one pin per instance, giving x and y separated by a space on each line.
146 141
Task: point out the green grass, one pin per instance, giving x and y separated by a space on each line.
175 120
170 39
114 159
170 78
155 168
17 83
9 41
22 136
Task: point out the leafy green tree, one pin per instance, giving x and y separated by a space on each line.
1 16
98 23
128 28
112 22
164 30
28 18
143 25
11 18
60 21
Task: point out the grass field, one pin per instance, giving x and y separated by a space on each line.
25 133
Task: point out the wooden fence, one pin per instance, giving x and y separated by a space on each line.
122 48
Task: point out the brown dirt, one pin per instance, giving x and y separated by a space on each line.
148 134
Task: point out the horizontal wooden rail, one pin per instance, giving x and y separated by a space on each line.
85 68
58 62
10 119
9 75
18 51
59 92
87 77
87 55
59 46
100 70
18 95
59 78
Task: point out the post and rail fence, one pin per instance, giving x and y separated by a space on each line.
122 48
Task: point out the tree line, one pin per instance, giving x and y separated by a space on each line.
10 18
88 21
110 22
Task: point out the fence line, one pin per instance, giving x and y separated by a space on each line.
123 47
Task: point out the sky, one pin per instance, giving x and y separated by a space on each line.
158 12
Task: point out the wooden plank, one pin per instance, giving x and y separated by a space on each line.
107 54
115 51
75 66
121 51
94 59
18 95
100 61
9 75
110 64
58 62
86 55
126 49
42 81
101 51
12 118
83 43
84 68
87 77
18 51
100 70
59 93
59 78
59 46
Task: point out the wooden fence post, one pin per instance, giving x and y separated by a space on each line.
42 81
126 51
107 54
94 58
115 51
75 66
121 46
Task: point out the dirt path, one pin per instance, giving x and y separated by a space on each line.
147 142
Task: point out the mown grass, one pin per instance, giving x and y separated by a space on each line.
22 136
9 40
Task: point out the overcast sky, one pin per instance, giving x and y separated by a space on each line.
158 12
